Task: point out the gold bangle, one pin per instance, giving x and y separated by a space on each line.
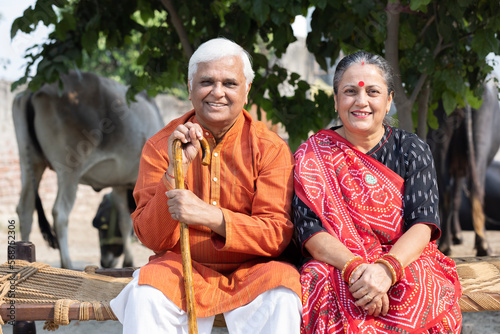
395 258
352 273
396 263
354 258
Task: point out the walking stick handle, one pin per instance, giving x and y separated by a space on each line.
187 268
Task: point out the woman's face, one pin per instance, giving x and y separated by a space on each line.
362 101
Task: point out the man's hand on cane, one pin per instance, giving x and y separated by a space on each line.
183 205
190 135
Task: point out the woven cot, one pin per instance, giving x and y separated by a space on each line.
480 279
25 285
61 295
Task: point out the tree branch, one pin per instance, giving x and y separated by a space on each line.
179 27
418 88
423 108
427 25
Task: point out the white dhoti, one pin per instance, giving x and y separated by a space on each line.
143 309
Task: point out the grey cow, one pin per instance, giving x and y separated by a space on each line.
88 134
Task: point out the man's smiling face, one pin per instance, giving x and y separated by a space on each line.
218 93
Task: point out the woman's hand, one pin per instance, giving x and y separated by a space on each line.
190 135
370 283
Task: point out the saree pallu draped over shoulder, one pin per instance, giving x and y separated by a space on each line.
360 201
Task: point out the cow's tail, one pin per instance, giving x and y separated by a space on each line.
43 223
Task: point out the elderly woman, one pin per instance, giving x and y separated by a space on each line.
366 216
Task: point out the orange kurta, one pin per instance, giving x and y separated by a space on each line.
251 178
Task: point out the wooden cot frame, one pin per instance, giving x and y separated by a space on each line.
27 314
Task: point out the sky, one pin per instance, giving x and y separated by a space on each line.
12 62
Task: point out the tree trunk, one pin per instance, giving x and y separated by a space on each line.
403 104
177 23
423 108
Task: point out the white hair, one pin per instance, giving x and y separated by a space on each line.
218 48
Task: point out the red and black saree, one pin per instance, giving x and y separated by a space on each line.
360 201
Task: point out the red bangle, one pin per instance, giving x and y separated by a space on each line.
394 265
350 267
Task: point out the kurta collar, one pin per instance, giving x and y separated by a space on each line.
235 129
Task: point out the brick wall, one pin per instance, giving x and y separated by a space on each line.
10 175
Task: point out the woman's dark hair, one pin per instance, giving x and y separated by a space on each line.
368 58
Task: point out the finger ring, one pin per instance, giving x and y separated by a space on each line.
369 298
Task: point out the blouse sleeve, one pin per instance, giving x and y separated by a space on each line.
421 197
306 222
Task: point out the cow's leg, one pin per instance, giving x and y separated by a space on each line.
445 240
66 195
477 200
125 223
32 169
456 229
478 221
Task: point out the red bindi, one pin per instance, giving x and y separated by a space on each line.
361 84
362 63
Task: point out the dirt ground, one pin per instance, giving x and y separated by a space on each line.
84 250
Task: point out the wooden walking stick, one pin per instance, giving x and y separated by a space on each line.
187 268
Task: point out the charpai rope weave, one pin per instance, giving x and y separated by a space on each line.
38 283
480 279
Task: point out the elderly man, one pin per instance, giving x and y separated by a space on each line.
237 209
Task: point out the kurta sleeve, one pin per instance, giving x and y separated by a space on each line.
267 229
153 224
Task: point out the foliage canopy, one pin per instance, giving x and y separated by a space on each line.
438 49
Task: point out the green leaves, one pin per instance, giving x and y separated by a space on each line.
42 12
484 42
260 10
136 41
449 102
292 102
420 5
89 40
474 101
